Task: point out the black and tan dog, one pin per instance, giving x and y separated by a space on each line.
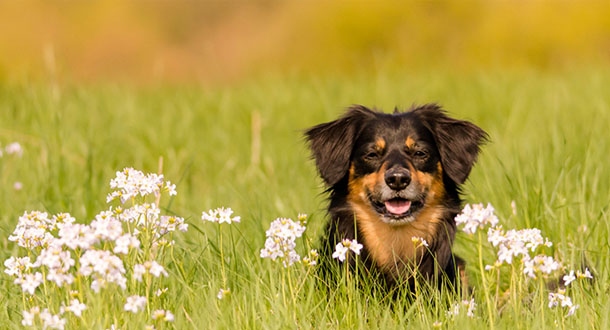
392 177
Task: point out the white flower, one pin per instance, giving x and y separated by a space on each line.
572 309
169 224
586 274
281 241
32 230
471 305
109 229
569 278
106 266
223 293
555 299
515 243
17 185
126 242
76 307
76 235
130 183
220 215
418 241
29 282
311 259
14 148
17 266
59 277
340 252
165 315
170 188
454 310
51 321
28 316
540 264
476 216
150 267
159 292
54 257
135 304
343 248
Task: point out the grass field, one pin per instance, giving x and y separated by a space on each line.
548 153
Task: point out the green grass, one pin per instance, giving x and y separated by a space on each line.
548 152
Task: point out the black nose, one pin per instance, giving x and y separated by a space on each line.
397 178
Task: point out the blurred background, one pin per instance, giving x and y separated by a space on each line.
225 41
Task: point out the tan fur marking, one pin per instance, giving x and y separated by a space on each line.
380 144
410 143
391 246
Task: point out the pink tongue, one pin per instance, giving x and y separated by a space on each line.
397 206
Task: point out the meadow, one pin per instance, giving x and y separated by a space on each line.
241 146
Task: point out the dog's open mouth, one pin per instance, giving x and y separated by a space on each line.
397 208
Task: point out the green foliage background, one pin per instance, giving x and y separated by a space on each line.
548 152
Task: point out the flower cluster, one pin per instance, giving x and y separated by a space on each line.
344 247
469 305
281 241
135 304
220 215
311 259
48 320
476 216
130 183
96 252
522 245
515 243
540 264
569 278
560 298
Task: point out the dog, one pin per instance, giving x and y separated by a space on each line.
394 179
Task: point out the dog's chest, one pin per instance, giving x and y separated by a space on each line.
393 247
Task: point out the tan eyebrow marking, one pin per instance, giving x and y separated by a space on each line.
410 143
380 144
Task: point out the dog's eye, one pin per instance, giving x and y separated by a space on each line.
420 154
371 155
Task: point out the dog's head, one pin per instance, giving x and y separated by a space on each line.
396 164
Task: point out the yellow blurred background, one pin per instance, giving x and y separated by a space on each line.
215 41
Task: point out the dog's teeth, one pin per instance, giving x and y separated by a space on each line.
397 206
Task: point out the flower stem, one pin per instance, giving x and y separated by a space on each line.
292 295
222 258
541 294
484 279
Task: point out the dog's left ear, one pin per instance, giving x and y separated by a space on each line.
458 141
332 143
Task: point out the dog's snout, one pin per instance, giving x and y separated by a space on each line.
397 178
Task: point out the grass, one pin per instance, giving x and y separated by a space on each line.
549 153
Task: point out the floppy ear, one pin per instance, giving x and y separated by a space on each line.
458 141
332 143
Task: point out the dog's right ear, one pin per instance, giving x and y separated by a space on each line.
332 143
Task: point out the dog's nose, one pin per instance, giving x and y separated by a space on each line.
397 178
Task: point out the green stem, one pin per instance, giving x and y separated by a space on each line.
541 294
483 277
293 297
222 259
